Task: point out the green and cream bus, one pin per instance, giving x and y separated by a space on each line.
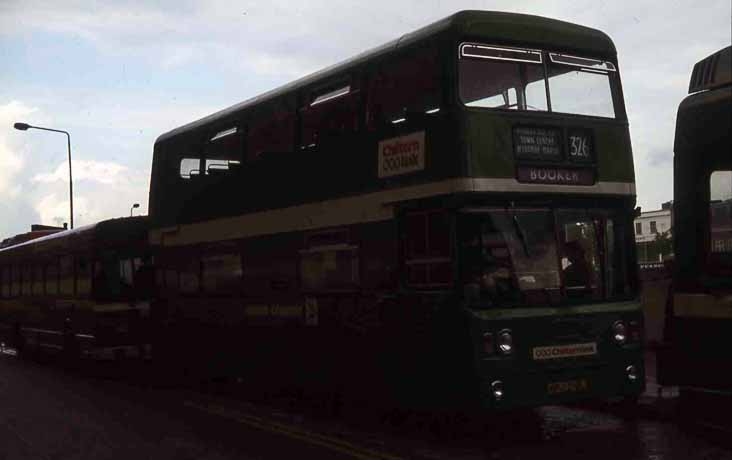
445 219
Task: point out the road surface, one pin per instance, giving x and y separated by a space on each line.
49 413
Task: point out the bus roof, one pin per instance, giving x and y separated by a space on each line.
500 27
705 115
107 230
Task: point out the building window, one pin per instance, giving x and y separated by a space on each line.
638 228
653 227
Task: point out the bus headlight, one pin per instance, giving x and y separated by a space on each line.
632 373
619 332
505 341
497 390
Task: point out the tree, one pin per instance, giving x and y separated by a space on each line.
662 245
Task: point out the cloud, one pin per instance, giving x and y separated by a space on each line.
166 63
102 190
11 158
103 172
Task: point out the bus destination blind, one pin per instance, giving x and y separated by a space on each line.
537 143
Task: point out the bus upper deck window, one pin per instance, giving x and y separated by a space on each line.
190 167
501 78
580 85
407 86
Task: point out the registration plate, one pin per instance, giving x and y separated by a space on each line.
570 386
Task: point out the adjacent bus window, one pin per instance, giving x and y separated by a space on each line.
129 273
190 276
720 217
66 275
580 85
16 280
38 280
83 276
427 243
27 279
501 78
52 279
221 273
5 281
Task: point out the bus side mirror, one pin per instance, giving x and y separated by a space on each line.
637 212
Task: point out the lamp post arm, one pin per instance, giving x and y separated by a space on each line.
49 129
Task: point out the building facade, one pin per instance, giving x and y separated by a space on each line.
654 234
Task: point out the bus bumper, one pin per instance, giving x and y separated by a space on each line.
510 390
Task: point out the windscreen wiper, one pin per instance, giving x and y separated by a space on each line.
519 231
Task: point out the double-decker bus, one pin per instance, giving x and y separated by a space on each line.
699 311
78 293
446 218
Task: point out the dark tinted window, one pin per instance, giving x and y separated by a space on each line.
410 83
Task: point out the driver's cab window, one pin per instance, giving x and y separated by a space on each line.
581 249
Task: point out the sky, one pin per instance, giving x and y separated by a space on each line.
117 74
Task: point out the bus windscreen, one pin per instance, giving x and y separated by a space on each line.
539 257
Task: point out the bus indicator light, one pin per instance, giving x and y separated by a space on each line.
620 332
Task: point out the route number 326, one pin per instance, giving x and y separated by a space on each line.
578 147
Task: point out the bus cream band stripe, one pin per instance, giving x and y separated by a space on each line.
703 306
371 207
517 313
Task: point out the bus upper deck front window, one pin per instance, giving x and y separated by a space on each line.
514 79
580 85
501 78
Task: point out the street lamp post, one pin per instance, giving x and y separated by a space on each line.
25 127
136 205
